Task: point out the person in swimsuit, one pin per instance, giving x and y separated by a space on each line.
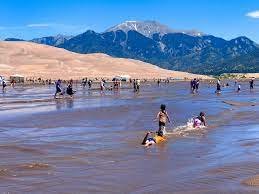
162 118
200 120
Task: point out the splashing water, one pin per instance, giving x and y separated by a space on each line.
185 130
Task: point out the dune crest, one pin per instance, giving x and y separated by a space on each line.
36 60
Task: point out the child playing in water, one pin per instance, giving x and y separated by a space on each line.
200 120
162 117
148 141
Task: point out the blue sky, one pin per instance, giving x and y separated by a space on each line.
36 18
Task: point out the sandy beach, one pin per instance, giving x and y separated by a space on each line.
91 143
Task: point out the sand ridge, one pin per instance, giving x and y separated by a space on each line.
36 60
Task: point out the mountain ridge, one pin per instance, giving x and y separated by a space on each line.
149 27
158 44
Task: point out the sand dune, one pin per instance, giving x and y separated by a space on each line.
35 60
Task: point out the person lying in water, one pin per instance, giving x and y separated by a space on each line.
200 120
163 118
149 140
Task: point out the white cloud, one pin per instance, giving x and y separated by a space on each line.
253 14
44 25
59 27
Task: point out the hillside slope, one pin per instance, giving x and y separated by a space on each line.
36 60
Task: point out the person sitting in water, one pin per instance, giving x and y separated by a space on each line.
162 118
200 120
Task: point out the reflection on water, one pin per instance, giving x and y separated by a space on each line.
91 143
70 103
58 104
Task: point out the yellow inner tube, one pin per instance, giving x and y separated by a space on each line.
159 139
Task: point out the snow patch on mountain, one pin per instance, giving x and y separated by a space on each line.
149 28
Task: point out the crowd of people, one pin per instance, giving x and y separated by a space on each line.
237 86
117 84
162 116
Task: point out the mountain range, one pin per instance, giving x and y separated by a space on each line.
150 41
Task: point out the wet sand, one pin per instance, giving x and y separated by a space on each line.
91 144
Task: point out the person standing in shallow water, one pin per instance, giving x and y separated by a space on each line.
4 86
102 85
158 82
218 90
89 84
58 88
251 83
163 118
138 84
238 88
194 85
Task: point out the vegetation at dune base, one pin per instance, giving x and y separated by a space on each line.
231 76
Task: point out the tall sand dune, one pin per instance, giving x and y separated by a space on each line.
36 60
